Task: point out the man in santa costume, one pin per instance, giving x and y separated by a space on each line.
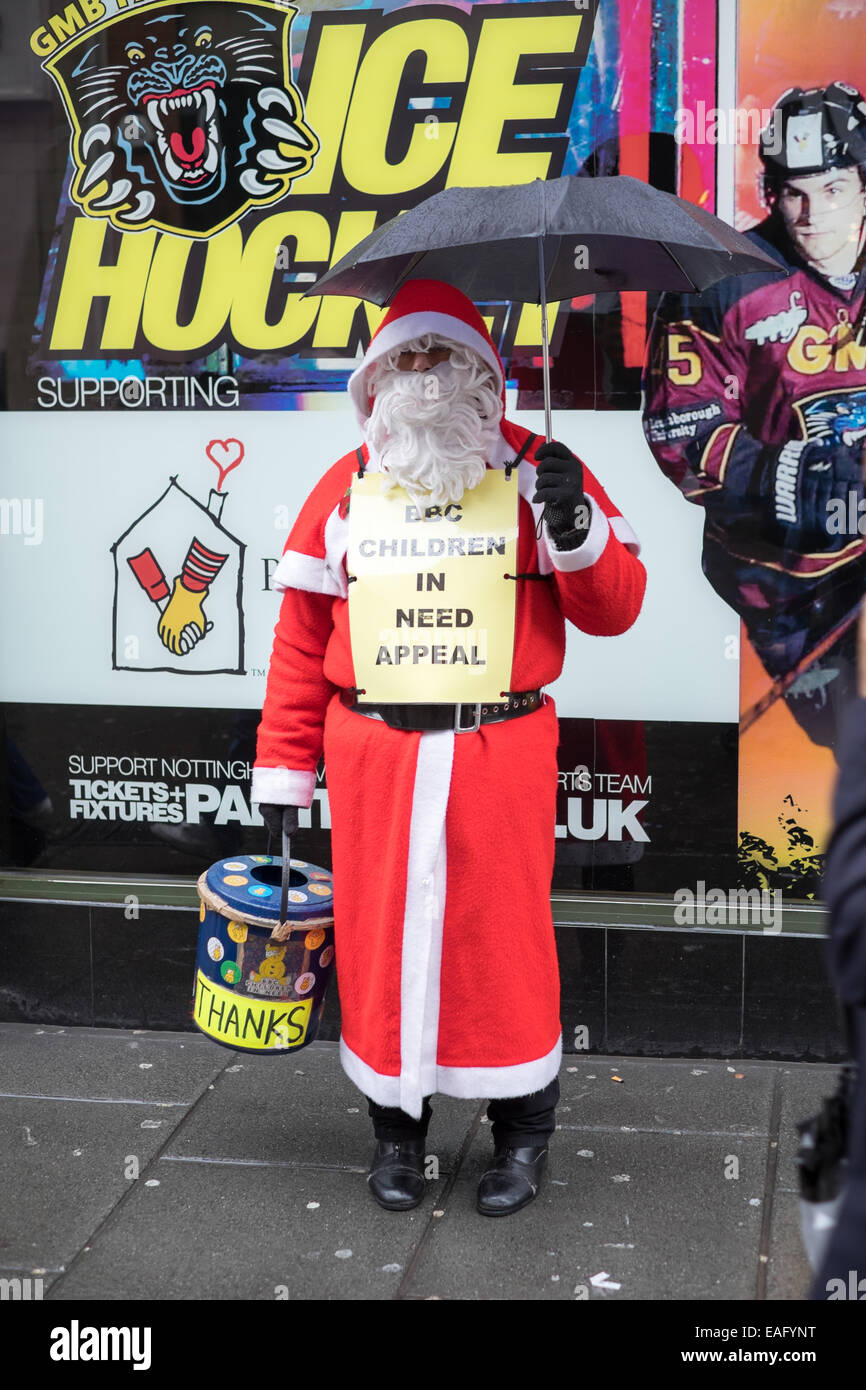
443 815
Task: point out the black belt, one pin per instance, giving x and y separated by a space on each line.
463 719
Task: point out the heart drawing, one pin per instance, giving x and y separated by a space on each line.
225 454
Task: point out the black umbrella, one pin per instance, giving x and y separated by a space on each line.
547 240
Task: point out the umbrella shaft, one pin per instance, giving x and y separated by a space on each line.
545 346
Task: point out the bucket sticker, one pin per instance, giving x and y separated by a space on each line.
261 890
215 948
297 897
234 866
230 971
273 967
327 956
237 931
322 889
235 880
314 939
304 983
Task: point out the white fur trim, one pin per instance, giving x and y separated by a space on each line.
423 919
567 561
403 330
336 545
624 533
497 1083
308 572
282 787
466 1083
500 451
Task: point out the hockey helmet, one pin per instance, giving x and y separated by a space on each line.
815 130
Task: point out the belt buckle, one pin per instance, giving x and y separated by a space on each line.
459 727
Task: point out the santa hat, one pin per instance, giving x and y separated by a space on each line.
419 307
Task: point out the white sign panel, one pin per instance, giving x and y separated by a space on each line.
135 561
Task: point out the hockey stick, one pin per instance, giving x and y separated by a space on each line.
783 683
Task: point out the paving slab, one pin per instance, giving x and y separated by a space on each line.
85 1063
229 1232
303 1110
652 1212
64 1166
803 1088
677 1096
789 1274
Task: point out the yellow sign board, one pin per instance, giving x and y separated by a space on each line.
431 613
262 1025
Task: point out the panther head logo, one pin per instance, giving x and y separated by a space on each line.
183 115
837 417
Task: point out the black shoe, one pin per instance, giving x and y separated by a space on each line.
512 1180
396 1174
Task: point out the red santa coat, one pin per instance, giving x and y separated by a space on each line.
442 842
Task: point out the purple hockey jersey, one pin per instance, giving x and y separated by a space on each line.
755 406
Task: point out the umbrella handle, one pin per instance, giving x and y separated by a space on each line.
545 346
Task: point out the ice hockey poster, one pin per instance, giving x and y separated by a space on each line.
200 203
207 191
797 670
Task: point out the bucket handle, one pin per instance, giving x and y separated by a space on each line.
283 929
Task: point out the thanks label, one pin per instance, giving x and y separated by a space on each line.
431 613
265 1025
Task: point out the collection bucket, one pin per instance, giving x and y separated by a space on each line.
252 993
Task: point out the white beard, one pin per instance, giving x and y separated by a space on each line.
436 447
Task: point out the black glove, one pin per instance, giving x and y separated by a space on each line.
803 484
559 486
279 819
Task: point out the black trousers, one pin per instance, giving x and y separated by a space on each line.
522 1120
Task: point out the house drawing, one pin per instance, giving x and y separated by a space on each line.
179 542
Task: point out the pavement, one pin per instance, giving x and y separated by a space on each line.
160 1166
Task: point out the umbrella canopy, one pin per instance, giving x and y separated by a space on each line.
547 240
595 234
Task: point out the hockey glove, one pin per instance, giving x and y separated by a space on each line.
805 481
